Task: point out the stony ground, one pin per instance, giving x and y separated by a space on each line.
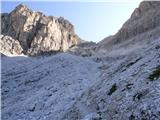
69 87
128 88
44 87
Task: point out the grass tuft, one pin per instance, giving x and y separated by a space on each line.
155 74
113 89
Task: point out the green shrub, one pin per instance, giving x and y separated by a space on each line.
113 89
132 117
155 74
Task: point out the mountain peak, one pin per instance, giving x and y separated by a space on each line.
21 7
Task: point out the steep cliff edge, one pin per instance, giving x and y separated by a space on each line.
38 33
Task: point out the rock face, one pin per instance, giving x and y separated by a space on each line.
144 18
10 46
38 33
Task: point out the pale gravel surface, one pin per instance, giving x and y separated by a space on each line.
44 87
69 87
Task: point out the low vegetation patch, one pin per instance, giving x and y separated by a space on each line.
113 89
155 74
132 117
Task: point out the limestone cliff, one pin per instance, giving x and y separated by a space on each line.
38 33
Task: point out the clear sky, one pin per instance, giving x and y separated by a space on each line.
93 21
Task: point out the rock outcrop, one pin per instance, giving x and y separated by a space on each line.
38 33
10 46
144 18
85 49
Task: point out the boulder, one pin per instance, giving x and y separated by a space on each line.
10 46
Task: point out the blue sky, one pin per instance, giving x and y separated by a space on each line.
93 21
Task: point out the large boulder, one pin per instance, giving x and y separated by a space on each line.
9 46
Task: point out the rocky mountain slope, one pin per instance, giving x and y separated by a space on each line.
38 33
128 88
140 28
114 80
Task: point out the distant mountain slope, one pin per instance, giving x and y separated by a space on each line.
38 33
141 27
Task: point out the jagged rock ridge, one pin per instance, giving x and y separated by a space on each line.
38 33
